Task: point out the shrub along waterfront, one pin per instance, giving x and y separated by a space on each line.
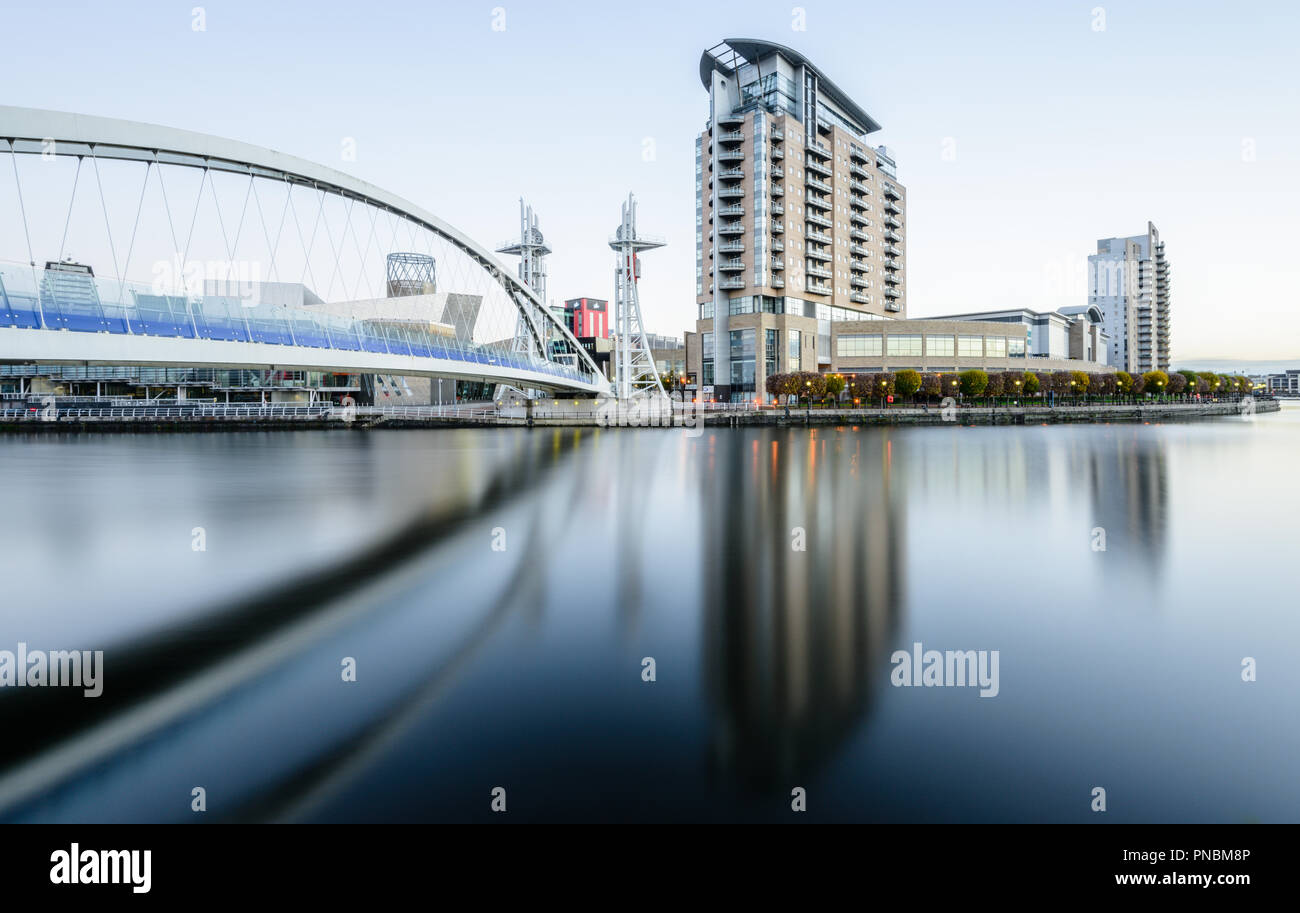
977 387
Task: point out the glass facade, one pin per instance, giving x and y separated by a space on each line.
706 358
859 345
795 341
771 346
995 347
1015 347
742 361
970 346
940 345
908 345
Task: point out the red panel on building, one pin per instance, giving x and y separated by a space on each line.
588 317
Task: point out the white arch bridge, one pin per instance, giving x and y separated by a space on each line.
247 258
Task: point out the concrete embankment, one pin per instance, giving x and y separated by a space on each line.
1002 415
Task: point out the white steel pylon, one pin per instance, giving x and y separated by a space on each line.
532 250
634 368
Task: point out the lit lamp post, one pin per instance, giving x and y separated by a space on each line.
1016 394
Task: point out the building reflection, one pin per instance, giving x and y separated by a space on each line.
801 560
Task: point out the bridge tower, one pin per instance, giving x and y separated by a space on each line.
634 367
531 250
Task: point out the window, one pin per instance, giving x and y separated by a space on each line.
908 345
995 346
770 346
941 345
858 345
1015 347
742 360
970 346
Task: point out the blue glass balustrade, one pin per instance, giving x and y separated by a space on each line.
76 302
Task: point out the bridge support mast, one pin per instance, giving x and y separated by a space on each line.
635 373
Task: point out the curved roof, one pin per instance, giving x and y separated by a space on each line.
752 49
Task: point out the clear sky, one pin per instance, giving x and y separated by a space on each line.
1024 131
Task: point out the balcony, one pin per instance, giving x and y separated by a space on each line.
777 135
858 203
819 237
731 247
733 210
890 190
731 155
778 244
894 236
860 188
858 218
732 228
732 282
892 222
813 165
777 226
859 172
893 208
859 283
731 120
891 249
778 190
815 219
859 155
732 266
820 185
732 174
777 209
817 201
860 265
859 250
857 234
893 306
859 298
816 254
731 193
820 150
777 153
731 136
817 288
818 271
892 277
777 263
778 282
893 293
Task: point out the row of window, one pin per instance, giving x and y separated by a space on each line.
867 345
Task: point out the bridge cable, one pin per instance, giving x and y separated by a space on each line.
75 178
31 257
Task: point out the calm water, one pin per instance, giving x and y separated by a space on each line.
520 665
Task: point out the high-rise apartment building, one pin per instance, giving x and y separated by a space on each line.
799 219
1129 283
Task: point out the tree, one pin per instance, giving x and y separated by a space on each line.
907 382
834 385
814 384
1124 382
994 387
949 384
1062 382
775 384
1103 384
1155 382
973 382
1189 379
882 384
1138 384
1177 382
931 385
1032 383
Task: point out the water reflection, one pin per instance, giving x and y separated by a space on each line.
801 553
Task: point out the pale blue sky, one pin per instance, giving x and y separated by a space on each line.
1062 133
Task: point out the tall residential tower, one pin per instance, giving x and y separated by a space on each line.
1129 283
799 219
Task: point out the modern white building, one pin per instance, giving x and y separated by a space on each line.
1129 283
1074 332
